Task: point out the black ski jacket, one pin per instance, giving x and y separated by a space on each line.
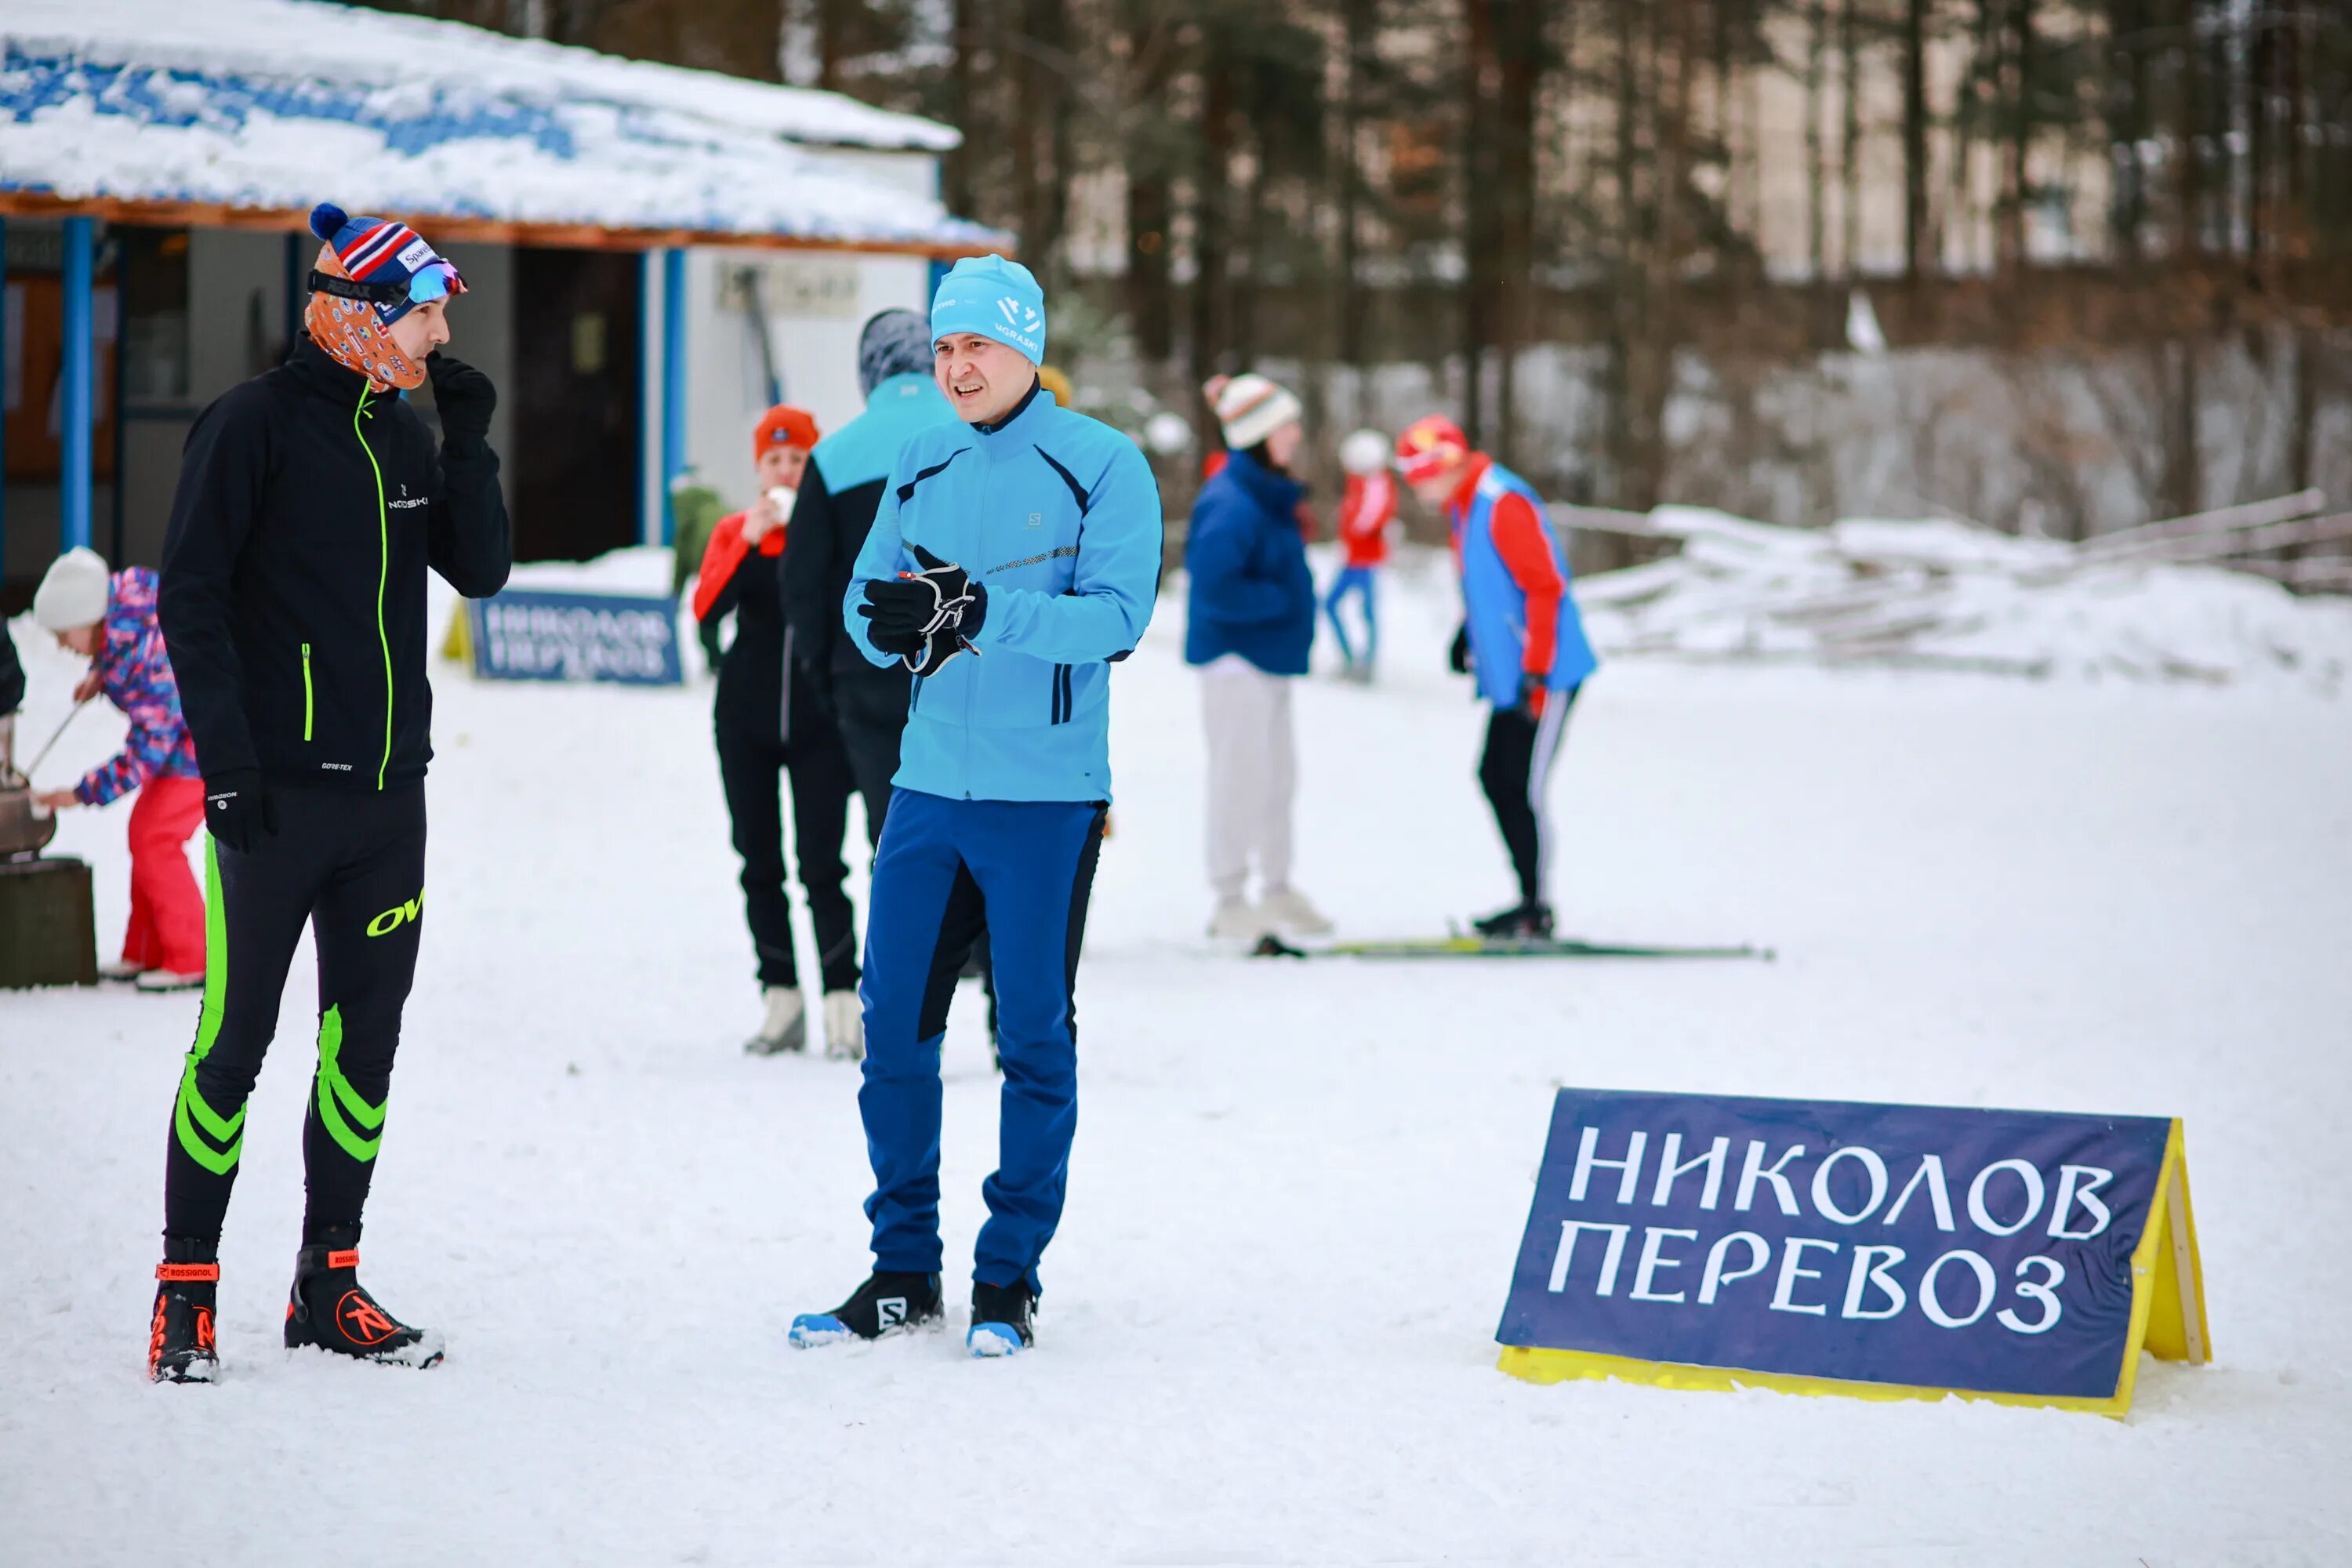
293 587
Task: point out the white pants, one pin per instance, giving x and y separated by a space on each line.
1253 774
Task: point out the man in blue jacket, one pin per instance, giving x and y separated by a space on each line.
1015 557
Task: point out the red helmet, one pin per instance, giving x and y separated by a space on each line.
1429 445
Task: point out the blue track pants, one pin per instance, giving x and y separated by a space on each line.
944 868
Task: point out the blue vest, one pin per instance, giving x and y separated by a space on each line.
1496 608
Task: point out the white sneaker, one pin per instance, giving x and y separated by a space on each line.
845 1026
168 980
1237 920
123 971
1291 910
785 1028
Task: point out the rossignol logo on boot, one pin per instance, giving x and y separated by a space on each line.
362 1321
393 919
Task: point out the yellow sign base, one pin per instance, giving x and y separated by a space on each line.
2168 1320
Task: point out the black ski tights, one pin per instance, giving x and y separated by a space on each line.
351 864
1513 771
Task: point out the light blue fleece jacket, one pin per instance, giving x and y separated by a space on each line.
1059 517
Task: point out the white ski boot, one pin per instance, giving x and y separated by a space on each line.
1238 920
785 1028
845 1026
1291 910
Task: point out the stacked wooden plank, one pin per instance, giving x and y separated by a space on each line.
2202 598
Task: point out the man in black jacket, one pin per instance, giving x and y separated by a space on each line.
310 501
838 496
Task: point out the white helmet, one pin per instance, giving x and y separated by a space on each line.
1365 452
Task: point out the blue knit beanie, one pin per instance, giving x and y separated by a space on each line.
995 298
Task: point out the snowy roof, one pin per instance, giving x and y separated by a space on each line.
276 104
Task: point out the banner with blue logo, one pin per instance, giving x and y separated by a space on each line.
1821 1247
529 634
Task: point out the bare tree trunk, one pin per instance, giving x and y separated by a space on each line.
1151 172
1481 70
1649 354
833 21
2303 452
2016 98
1915 140
956 167
1817 16
2184 477
1211 196
2188 183
1520 42
1361 19
1036 88
2127 123
1850 138
1624 329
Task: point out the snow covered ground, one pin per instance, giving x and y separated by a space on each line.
1298 1189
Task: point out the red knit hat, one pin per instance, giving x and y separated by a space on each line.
784 425
1430 445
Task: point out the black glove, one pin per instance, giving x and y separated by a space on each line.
463 397
238 811
1457 657
1533 695
938 649
904 614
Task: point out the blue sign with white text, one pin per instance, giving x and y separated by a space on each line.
1981 1251
530 633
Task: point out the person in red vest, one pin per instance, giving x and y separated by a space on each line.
1521 637
1367 507
772 725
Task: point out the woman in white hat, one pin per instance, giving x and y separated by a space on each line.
1250 623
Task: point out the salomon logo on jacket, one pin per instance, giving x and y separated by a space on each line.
1029 719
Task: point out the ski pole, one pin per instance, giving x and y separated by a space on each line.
34 766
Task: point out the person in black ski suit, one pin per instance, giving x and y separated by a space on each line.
311 499
772 724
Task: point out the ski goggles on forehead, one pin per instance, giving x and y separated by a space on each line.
437 279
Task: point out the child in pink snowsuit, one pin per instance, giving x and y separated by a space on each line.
112 621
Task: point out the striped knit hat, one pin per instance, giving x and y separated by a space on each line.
1250 408
384 254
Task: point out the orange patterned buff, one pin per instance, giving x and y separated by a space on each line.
354 337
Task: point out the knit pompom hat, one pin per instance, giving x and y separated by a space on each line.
1251 407
378 252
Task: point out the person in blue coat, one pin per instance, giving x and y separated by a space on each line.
1013 559
1250 621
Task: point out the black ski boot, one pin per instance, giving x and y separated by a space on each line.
331 1310
1520 922
887 1303
180 1338
1001 1319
